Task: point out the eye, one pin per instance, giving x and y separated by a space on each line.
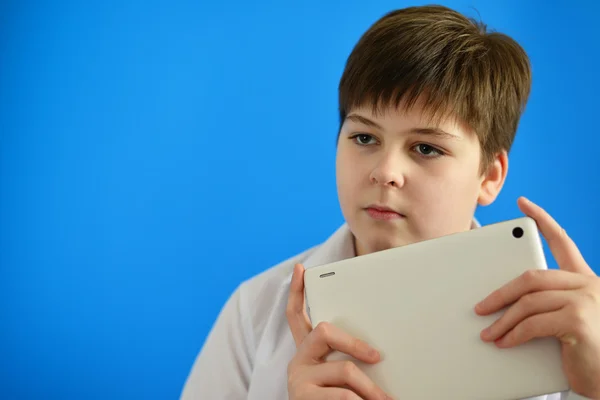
363 139
428 151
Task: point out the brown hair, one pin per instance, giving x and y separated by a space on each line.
449 60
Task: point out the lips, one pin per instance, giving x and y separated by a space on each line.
383 213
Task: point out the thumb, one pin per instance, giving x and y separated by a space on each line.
297 317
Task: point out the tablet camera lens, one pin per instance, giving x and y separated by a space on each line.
518 232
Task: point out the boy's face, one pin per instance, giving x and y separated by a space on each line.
401 181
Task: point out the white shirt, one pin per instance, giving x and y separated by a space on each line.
246 353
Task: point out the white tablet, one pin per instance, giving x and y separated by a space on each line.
416 305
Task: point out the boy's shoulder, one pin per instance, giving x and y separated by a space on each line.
275 277
263 297
337 246
261 300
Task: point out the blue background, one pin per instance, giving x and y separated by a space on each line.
154 154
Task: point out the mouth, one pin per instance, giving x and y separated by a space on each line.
383 213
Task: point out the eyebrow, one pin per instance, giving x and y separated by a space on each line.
421 131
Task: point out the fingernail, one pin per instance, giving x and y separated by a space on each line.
486 333
374 353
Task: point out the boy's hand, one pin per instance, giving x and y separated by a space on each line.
563 303
309 376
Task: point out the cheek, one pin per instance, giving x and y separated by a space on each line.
350 179
341 176
348 169
448 189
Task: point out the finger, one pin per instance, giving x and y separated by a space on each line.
332 393
536 326
296 311
564 249
525 307
534 280
345 373
326 337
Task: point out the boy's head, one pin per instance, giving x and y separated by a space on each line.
429 107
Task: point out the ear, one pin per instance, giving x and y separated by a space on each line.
493 179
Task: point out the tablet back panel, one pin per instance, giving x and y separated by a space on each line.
416 305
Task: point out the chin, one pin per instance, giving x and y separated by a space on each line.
375 244
375 237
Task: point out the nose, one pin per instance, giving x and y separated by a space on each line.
388 171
